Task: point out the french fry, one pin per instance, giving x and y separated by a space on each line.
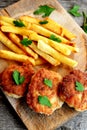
58 46
36 37
45 56
29 19
16 57
16 30
40 61
36 21
2 23
45 32
21 31
73 49
49 50
27 25
40 30
7 19
55 27
66 49
24 36
52 26
17 41
8 43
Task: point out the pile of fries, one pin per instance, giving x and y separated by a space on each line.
42 49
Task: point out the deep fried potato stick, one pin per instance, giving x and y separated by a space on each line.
9 55
58 46
17 30
40 61
63 48
29 19
8 43
51 25
3 23
55 27
44 32
7 19
49 50
26 49
10 21
47 57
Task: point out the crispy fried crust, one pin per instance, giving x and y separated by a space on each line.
68 93
37 87
8 84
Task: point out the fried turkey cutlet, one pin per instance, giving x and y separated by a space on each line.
42 94
15 78
73 90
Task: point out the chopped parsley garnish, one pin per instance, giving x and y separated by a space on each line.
43 100
48 82
75 11
17 78
79 86
18 23
54 38
26 42
84 26
45 10
43 22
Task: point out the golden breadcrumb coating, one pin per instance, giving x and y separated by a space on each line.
68 92
8 84
38 88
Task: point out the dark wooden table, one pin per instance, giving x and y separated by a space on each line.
8 118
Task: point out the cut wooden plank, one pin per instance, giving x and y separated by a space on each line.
32 120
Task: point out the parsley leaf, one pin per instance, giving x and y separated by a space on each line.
18 23
21 80
17 78
74 11
84 26
45 10
79 86
43 22
44 101
54 38
48 82
26 42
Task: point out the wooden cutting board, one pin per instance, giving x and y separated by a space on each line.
32 120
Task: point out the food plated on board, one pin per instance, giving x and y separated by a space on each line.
15 79
73 90
42 94
38 46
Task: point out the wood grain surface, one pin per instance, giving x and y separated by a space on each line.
35 121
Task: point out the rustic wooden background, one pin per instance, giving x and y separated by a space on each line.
8 118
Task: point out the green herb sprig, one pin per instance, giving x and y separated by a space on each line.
79 86
84 26
54 38
43 100
17 78
43 22
75 11
26 42
48 82
45 10
18 23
